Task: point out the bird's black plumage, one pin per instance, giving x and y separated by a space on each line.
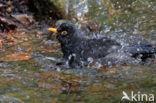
77 48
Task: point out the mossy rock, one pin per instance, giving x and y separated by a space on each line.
47 8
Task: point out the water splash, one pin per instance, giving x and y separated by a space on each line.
127 22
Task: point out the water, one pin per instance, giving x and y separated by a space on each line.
40 80
127 21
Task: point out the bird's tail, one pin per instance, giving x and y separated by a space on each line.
143 51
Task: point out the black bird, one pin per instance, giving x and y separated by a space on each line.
79 50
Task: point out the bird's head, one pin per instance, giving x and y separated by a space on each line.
65 32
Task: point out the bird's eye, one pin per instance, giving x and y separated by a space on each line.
64 33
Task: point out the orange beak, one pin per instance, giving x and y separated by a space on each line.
53 30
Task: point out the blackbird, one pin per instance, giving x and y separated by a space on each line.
80 50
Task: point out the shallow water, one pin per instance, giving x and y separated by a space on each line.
39 80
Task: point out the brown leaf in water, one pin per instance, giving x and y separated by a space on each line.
6 80
29 49
16 57
9 39
24 18
131 87
44 85
1 44
52 75
51 49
